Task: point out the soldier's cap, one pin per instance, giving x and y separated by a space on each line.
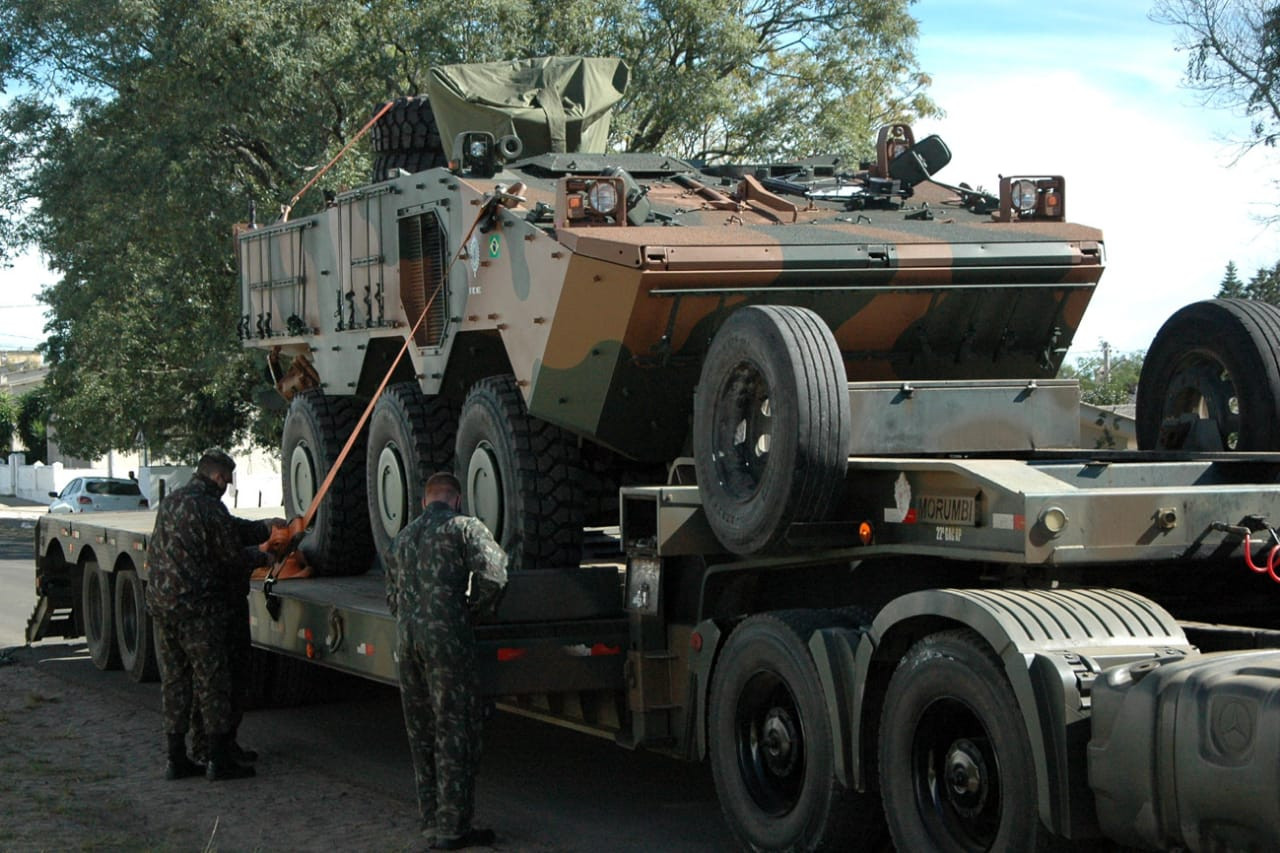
217 457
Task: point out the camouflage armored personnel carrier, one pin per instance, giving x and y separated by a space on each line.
589 318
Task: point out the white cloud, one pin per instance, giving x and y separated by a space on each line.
1142 161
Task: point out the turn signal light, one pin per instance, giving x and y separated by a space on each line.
865 533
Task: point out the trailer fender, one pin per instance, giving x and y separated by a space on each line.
1051 642
701 662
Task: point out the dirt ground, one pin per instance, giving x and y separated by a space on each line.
73 777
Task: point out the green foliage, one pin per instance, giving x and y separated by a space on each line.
1106 381
8 419
1264 286
33 422
138 131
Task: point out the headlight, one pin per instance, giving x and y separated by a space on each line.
1024 196
479 148
603 197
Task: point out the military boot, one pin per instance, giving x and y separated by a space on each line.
179 766
221 764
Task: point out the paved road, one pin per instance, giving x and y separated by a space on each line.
540 783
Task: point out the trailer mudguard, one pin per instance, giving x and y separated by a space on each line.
1052 644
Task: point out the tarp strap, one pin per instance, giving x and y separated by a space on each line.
549 101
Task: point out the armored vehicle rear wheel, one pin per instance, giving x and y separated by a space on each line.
520 477
1211 380
770 426
956 769
339 541
772 755
134 636
411 437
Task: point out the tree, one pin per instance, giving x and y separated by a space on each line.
1233 56
8 419
140 130
1231 287
33 421
1106 378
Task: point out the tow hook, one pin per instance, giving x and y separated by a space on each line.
273 600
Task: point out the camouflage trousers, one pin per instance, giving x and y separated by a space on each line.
440 695
192 653
239 651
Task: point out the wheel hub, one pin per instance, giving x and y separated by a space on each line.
392 489
302 478
779 741
745 430
484 488
966 777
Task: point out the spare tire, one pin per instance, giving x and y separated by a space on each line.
408 126
770 426
1211 380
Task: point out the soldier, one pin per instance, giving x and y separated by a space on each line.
428 570
198 555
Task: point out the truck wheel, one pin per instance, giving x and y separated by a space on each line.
771 747
770 426
134 636
956 770
520 477
339 541
411 437
1211 380
99 616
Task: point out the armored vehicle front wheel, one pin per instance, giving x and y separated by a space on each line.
520 476
1211 380
956 769
339 541
411 436
770 426
772 754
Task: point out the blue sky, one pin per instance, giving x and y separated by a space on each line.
1086 89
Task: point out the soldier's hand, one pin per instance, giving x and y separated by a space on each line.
283 538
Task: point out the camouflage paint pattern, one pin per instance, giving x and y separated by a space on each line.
432 564
605 328
194 672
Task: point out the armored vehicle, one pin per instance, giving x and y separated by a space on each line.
576 318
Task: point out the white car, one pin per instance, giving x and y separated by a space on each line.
98 494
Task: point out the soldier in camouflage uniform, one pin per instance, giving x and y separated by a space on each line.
199 553
428 570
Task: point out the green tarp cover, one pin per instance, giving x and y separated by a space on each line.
553 103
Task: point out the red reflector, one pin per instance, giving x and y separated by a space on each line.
602 649
695 641
84 499
511 654
307 633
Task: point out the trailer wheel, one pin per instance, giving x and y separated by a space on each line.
134 636
339 541
770 426
772 753
411 436
956 770
99 616
520 476
1211 380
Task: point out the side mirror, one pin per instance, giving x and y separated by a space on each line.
921 161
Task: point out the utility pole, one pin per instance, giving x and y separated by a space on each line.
1106 364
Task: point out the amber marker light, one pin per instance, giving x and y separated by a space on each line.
865 533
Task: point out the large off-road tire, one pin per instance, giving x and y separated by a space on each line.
520 476
134 637
1211 380
956 768
339 541
409 125
411 437
770 426
99 616
772 753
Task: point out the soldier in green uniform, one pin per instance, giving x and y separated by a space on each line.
429 569
198 554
